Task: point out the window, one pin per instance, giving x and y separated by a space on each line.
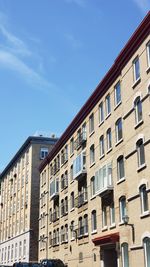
94 221
72 200
104 216
108 105
62 181
16 245
144 199
140 152
79 165
118 130
101 143
20 249
148 54
24 248
120 167
136 69
112 214
93 186
66 205
85 224
71 146
91 123
72 230
146 243
80 257
101 113
122 205
92 154
125 256
109 139
138 110
81 229
117 94
43 152
71 173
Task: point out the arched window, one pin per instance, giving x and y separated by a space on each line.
146 243
72 200
93 186
72 232
101 144
81 226
109 139
119 133
140 152
81 257
122 205
138 109
125 255
120 167
144 198
94 220
85 224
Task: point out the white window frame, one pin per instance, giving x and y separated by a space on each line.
91 123
144 199
43 152
101 143
92 154
145 251
148 54
125 255
104 216
108 105
94 221
140 151
136 75
118 139
118 85
112 214
120 164
109 139
101 112
123 208
138 110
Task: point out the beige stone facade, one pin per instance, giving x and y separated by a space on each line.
19 202
95 185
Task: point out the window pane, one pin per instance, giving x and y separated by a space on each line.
117 93
125 256
147 251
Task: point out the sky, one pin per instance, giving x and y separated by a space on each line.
53 53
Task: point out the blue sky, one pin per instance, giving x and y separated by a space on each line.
53 53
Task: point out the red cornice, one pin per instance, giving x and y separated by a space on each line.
106 239
124 56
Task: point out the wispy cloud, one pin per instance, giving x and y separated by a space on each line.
143 5
11 62
14 55
73 41
80 3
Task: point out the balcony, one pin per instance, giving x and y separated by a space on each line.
54 189
81 199
79 166
104 180
81 139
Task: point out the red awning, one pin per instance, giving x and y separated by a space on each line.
106 239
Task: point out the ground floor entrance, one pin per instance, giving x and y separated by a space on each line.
109 257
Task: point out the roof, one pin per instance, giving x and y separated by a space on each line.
30 140
124 56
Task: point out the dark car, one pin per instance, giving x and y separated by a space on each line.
26 264
52 263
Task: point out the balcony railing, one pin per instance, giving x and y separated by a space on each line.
55 216
81 139
83 231
81 199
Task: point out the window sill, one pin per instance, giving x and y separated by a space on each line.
101 123
72 239
92 164
121 223
72 209
94 232
120 141
112 226
148 69
102 156
138 124
91 133
121 180
105 228
71 155
145 214
108 115
94 196
117 105
136 82
142 167
71 181
109 150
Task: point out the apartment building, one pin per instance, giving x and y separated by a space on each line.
95 183
19 201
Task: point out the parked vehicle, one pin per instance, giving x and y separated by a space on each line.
26 264
52 263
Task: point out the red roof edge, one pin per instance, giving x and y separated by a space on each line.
126 53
